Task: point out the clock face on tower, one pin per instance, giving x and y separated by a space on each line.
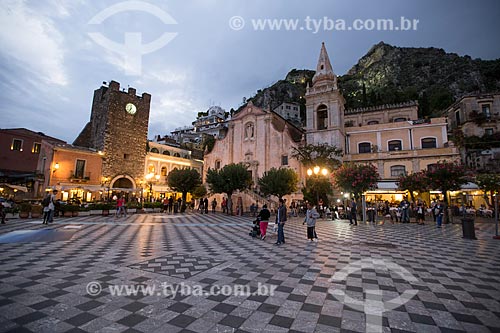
130 108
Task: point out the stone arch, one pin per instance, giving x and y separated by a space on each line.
122 181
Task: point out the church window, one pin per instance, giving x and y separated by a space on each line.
177 155
164 171
372 122
400 119
488 131
364 147
155 150
217 165
322 117
284 160
395 145
151 168
166 152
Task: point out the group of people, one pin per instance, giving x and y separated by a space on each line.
281 217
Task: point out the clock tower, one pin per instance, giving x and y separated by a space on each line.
118 128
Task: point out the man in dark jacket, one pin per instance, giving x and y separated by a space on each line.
280 220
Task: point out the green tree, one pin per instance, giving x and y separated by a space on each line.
446 176
232 177
323 155
489 182
417 181
199 192
316 188
208 143
278 182
356 178
184 181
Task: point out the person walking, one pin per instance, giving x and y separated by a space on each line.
310 219
280 220
120 206
264 216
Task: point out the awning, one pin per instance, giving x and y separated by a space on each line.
469 186
91 188
15 187
387 186
161 188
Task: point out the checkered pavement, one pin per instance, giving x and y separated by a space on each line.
43 284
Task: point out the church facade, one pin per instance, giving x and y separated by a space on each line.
391 136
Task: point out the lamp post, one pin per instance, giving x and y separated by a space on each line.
316 172
150 177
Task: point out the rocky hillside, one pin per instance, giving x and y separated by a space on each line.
389 74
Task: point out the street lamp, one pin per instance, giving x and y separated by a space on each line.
149 178
316 172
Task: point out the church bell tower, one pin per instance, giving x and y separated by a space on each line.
324 106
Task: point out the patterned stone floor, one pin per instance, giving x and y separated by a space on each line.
43 285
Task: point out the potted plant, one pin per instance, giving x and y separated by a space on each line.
24 210
36 211
69 210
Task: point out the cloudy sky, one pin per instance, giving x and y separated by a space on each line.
190 54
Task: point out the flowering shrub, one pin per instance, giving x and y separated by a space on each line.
418 181
446 176
356 178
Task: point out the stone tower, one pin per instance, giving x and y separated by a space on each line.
325 106
118 128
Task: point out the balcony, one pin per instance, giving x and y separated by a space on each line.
80 178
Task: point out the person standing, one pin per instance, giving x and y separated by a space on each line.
223 205
420 213
405 211
205 204
433 205
2 213
214 205
264 216
52 206
200 206
280 220
353 213
386 212
439 211
310 219
170 204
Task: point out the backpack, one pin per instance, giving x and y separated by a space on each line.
46 201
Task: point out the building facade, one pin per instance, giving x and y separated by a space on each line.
391 137
20 151
160 161
475 120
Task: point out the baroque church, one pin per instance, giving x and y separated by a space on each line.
390 136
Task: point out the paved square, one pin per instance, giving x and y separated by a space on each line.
59 285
